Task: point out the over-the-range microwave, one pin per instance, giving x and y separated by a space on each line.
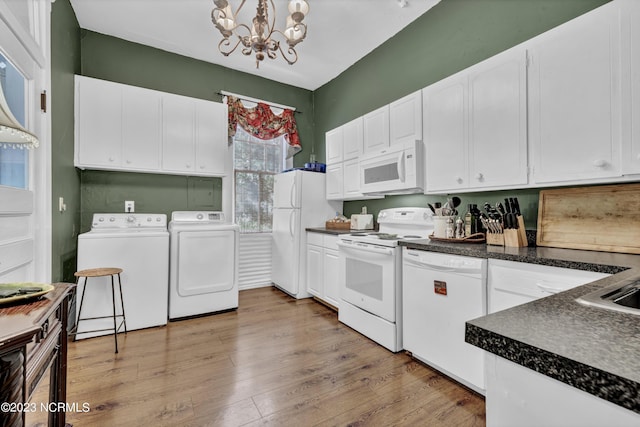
395 170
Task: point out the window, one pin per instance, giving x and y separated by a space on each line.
14 161
256 161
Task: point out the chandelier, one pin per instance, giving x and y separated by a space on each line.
258 37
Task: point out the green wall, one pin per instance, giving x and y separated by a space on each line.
452 36
117 60
65 179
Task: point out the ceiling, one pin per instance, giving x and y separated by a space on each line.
340 32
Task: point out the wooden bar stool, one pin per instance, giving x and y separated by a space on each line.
102 272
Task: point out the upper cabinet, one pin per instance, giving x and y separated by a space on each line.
353 139
631 98
475 126
376 129
405 118
127 128
575 99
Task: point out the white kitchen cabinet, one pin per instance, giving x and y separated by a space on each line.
519 396
575 99
322 267
334 145
353 139
475 126
498 121
210 138
315 264
376 130
98 123
405 119
445 135
511 283
127 128
141 129
334 181
351 180
178 134
631 71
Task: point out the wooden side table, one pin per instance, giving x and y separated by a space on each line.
32 336
102 272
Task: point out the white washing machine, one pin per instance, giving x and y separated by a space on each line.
203 275
139 244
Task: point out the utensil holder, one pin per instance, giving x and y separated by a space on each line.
516 237
496 239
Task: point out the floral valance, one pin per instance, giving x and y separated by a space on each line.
261 122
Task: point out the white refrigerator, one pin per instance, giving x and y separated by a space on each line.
298 203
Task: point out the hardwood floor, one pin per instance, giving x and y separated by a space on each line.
275 361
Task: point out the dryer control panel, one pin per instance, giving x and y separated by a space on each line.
198 216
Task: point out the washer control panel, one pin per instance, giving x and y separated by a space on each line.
128 221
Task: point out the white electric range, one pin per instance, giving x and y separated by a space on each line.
371 274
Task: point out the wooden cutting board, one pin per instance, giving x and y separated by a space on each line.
602 218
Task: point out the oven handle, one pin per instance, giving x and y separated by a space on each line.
366 249
428 265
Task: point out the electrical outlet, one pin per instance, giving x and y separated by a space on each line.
62 206
129 206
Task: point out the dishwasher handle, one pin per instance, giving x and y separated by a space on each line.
414 259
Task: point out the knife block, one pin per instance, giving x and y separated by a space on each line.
516 237
496 239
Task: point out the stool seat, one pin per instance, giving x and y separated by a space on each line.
98 272
102 272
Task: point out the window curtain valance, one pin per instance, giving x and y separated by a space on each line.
261 122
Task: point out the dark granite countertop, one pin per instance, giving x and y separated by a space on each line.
327 230
592 349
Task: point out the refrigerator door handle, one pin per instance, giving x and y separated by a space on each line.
291 220
292 194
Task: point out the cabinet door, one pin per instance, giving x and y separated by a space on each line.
98 121
315 270
334 181
445 134
405 118
333 145
575 99
498 121
178 134
376 129
211 146
331 277
631 118
351 179
141 128
353 139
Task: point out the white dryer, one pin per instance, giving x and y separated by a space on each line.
203 276
139 244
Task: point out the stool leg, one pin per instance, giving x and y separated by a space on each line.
113 299
84 290
124 318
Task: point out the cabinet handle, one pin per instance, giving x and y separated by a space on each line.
459 179
128 162
201 166
599 163
188 166
479 177
111 159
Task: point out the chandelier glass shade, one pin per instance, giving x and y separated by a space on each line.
258 37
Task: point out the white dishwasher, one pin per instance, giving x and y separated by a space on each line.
439 294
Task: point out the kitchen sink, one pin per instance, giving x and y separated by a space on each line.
618 297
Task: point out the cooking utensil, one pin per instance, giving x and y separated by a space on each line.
430 206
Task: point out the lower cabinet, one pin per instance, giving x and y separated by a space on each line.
322 267
518 396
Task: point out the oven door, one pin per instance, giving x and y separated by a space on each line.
369 275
